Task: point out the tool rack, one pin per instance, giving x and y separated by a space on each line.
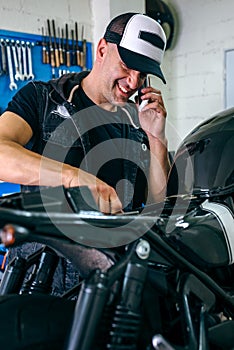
41 71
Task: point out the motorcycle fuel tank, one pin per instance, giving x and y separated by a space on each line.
203 234
203 170
204 162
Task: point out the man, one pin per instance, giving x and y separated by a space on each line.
55 133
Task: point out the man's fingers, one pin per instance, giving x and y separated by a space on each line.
109 202
107 199
115 205
104 195
154 101
156 93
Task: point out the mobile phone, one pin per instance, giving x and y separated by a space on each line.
144 85
143 103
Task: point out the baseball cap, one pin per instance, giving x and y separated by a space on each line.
140 40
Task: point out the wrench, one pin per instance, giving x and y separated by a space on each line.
30 69
3 56
25 75
12 84
17 73
19 52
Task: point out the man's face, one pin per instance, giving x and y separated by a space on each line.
119 82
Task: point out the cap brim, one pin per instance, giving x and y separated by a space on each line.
140 63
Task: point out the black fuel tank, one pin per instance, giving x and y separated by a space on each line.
204 234
204 162
203 170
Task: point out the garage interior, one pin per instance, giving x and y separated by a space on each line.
199 69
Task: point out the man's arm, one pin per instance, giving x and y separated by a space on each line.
22 166
153 122
159 169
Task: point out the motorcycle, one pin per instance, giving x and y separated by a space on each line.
163 274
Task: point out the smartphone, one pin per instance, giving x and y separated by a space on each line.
144 85
142 103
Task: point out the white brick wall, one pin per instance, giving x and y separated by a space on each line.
195 68
29 16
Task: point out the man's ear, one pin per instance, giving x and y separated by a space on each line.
101 49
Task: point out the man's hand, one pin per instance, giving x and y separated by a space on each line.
153 115
15 132
153 121
104 195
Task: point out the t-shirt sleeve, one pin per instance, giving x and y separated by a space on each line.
24 103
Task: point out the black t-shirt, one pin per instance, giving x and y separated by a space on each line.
104 138
108 137
106 134
24 103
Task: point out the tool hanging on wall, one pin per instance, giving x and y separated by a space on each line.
44 49
73 52
65 49
12 85
63 46
40 67
77 46
51 50
29 55
3 68
56 51
68 57
19 76
16 61
60 48
83 50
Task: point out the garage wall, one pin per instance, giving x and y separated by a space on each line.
29 15
195 67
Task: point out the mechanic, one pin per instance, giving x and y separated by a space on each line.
82 129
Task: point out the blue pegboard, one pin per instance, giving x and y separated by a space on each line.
7 188
41 71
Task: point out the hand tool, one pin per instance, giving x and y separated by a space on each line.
83 52
24 55
68 61
3 53
52 60
56 52
63 46
12 84
47 49
77 45
73 53
1 69
19 54
30 69
60 47
16 63
44 60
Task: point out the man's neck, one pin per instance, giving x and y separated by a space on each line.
88 87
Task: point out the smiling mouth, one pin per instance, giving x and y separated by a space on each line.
124 91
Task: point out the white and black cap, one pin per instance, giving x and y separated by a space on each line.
141 42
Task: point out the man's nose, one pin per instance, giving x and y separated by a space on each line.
134 79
